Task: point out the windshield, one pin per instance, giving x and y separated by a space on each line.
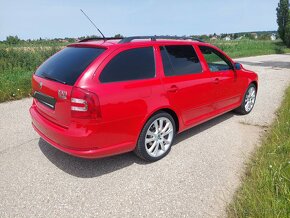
67 65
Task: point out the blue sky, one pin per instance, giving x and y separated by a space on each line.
50 19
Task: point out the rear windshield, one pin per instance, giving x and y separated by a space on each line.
67 65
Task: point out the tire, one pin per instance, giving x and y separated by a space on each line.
248 100
154 144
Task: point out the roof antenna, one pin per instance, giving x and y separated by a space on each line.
93 24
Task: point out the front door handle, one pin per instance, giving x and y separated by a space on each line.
216 80
173 88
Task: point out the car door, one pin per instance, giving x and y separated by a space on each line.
224 78
185 82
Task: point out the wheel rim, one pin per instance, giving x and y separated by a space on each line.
250 99
159 137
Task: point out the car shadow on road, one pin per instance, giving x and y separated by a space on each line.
89 168
202 127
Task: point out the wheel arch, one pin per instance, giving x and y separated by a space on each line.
167 110
174 116
255 83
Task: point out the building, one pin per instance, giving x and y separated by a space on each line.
273 37
227 38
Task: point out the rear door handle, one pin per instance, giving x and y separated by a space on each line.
173 88
216 80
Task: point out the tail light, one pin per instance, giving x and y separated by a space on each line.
84 104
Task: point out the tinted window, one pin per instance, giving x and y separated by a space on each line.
215 60
131 64
180 60
67 65
167 66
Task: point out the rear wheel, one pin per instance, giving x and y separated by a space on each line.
156 137
248 100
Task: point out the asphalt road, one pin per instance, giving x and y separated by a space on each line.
197 178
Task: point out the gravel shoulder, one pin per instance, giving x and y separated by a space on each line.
197 178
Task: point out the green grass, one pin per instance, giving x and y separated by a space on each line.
15 84
265 190
247 48
16 67
18 62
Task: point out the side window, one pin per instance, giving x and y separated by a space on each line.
180 60
215 60
133 64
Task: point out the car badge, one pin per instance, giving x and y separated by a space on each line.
40 85
62 94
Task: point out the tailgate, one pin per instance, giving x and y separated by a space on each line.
52 100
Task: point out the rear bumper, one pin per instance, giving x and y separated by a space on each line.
74 141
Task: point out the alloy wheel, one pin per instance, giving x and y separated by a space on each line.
159 137
250 99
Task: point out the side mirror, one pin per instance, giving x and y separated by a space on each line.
237 66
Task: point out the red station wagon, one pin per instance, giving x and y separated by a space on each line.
101 97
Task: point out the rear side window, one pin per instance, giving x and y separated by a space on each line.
67 65
180 60
133 64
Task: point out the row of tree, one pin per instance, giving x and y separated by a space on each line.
14 40
260 35
283 20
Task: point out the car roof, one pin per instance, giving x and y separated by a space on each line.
109 43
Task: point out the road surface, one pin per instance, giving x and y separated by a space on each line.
197 178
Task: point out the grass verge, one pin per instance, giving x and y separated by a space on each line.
265 189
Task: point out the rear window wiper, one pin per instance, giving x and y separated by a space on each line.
44 75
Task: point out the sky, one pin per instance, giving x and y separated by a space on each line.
32 19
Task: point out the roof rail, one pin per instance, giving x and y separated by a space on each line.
99 38
153 38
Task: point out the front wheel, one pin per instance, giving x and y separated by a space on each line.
248 100
156 137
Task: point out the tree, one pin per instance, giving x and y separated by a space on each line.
204 38
118 36
12 40
235 35
287 32
265 36
282 17
223 35
250 36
